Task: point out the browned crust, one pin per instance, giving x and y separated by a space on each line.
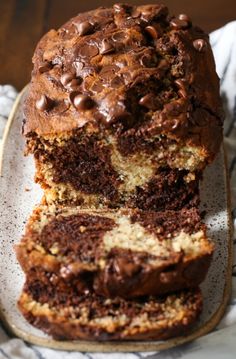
67 331
63 329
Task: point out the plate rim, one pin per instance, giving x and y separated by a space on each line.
125 346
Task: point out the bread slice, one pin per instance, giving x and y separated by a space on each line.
61 311
126 253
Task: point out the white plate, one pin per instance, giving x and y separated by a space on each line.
19 194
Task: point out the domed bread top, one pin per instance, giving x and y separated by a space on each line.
128 70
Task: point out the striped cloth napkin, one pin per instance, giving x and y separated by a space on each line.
219 344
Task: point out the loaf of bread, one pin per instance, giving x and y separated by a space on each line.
116 95
122 116
126 253
61 311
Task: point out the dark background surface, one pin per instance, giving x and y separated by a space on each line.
23 22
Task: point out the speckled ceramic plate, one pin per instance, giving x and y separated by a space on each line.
18 195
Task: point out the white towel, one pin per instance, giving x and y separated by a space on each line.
221 343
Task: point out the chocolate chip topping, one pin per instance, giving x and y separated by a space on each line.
83 102
88 50
84 28
179 24
152 31
66 78
147 60
120 7
44 103
45 66
148 101
119 36
74 83
69 80
185 18
182 93
106 47
132 51
181 83
200 45
117 116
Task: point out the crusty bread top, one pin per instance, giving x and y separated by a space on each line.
126 69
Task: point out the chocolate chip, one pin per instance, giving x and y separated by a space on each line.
120 7
75 83
66 78
179 24
118 116
84 28
181 83
182 93
44 103
69 80
148 101
152 31
147 61
146 14
119 36
106 47
200 45
83 102
186 18
88 50
45 66
72 95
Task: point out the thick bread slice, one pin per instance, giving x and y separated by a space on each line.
126 253
60 311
